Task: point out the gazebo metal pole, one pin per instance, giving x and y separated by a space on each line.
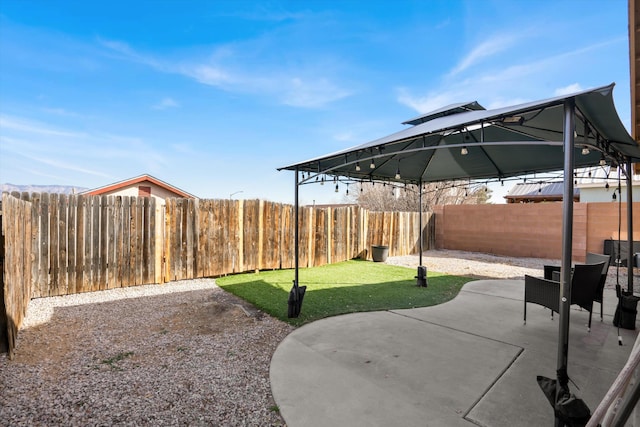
420 220
629 226
567 237
296 247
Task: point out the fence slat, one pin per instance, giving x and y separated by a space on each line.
72 231
78 269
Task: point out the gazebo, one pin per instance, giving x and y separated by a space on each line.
464 141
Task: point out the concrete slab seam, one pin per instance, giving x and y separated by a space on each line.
491 295
456 329
488 389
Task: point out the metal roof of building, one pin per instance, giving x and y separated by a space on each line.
536 190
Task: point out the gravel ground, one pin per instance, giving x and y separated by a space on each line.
491 266
182 353
185 353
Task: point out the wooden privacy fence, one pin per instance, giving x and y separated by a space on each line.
64 244
204 238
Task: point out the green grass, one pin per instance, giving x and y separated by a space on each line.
346 287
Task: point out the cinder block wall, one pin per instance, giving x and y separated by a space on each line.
529 230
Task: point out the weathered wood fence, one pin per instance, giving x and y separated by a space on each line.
57 244
16 276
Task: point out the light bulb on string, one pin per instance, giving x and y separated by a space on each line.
357 166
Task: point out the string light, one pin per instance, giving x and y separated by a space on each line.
398 173
603 161
372 165
464 151
585 151
357 166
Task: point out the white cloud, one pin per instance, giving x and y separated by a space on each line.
206 74
572 88
165 103
443 24
57 152
29 126
301 86
61 112
495 86
311 93
345 136
484 50
430 101
129 53
67 166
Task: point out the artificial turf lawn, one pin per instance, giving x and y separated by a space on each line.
345 287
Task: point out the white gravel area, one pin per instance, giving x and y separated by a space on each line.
481 265
183 353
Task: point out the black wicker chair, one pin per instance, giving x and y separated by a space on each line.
584 286
595 259
592 258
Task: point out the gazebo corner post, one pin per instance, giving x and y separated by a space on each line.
296 295
420 221
630 254
296 230
567 238
421 277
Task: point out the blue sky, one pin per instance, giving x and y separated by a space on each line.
213 96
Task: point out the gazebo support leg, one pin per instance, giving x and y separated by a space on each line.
567 237
630 226
421 276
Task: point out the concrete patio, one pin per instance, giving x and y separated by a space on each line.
471 361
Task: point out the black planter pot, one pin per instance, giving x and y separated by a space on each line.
379 253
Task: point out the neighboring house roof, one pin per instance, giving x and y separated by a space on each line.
139 180
538 192
599 176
